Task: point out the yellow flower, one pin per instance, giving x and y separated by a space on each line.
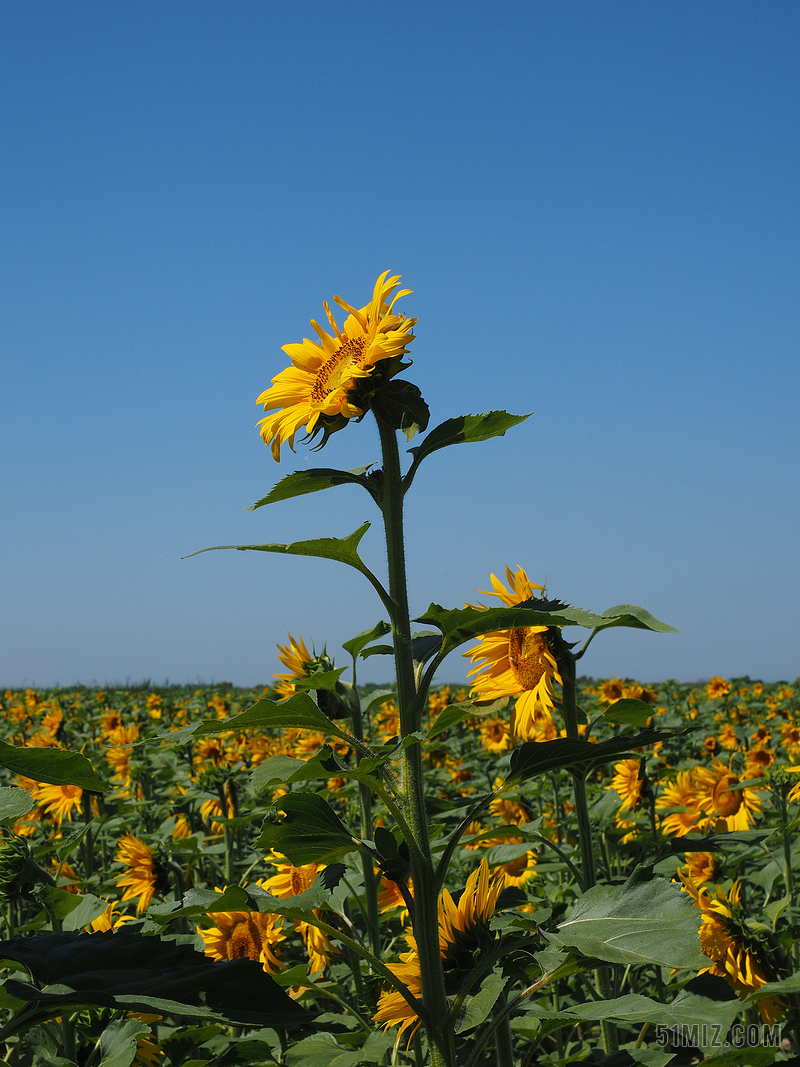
244 935
727 737
758 760
58 800
518 871
295 657
288 882
463 935
610 691
727 807
148 1054
698 869
682 792
495 735
143 872
627 783
516 661
717 687
317 387
109 920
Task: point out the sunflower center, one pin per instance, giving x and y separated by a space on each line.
527 655
727 803
334 370
302 878
244 942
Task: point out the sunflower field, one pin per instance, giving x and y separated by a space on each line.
534 868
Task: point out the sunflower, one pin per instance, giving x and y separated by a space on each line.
296 658
60 801
758 760
737 951
144 873
518 871
627 782
717 687
682 793
727 737
318 387
517 661
109 920
610 691
288 882
698 869
148 1054
495 735
244 935
464 934
727 807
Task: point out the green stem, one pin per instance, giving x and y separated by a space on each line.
426 918
502 1035
367 831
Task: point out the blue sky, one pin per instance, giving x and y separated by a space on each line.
596 205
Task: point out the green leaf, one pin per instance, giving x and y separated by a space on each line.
275 771
343 549
645 920
713 842
54 766
320 680
463 430
467 709
478 1007
538 757
424 644
378 650
71 841
311 481
463 624
110 970
89 908
118 1042
634 616
366 637
299 712
14 803
323 1050
310 832
628 711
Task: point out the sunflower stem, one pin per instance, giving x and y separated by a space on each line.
502 1035
426 911
566 665
367 830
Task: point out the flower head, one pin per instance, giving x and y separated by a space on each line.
144 874
516 662
321 390
248 935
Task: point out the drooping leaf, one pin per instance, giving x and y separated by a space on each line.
478 1007
299 712
14 803
99 970
366 637
466 709
89 908
713 842
377 650
311 481
645 920
628 711
537 757
54 766
634 616
119 1041
458 625
323 1050
275 771
68 844
425 644
310 831
463 430
342 549
320 680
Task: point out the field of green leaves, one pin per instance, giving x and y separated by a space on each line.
176 903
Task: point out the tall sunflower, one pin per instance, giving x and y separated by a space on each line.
317 391
296 658
516 662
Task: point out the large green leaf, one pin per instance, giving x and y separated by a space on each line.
478 1007
323 1050
645 920
634 616
199 902
463 430
310 831
118 1042
311 481
14 803
99 970
299 712
55 766
538 757
343 549
628 711
458 625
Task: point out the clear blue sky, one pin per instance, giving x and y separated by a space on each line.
596 204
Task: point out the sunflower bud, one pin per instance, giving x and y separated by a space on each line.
19 871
